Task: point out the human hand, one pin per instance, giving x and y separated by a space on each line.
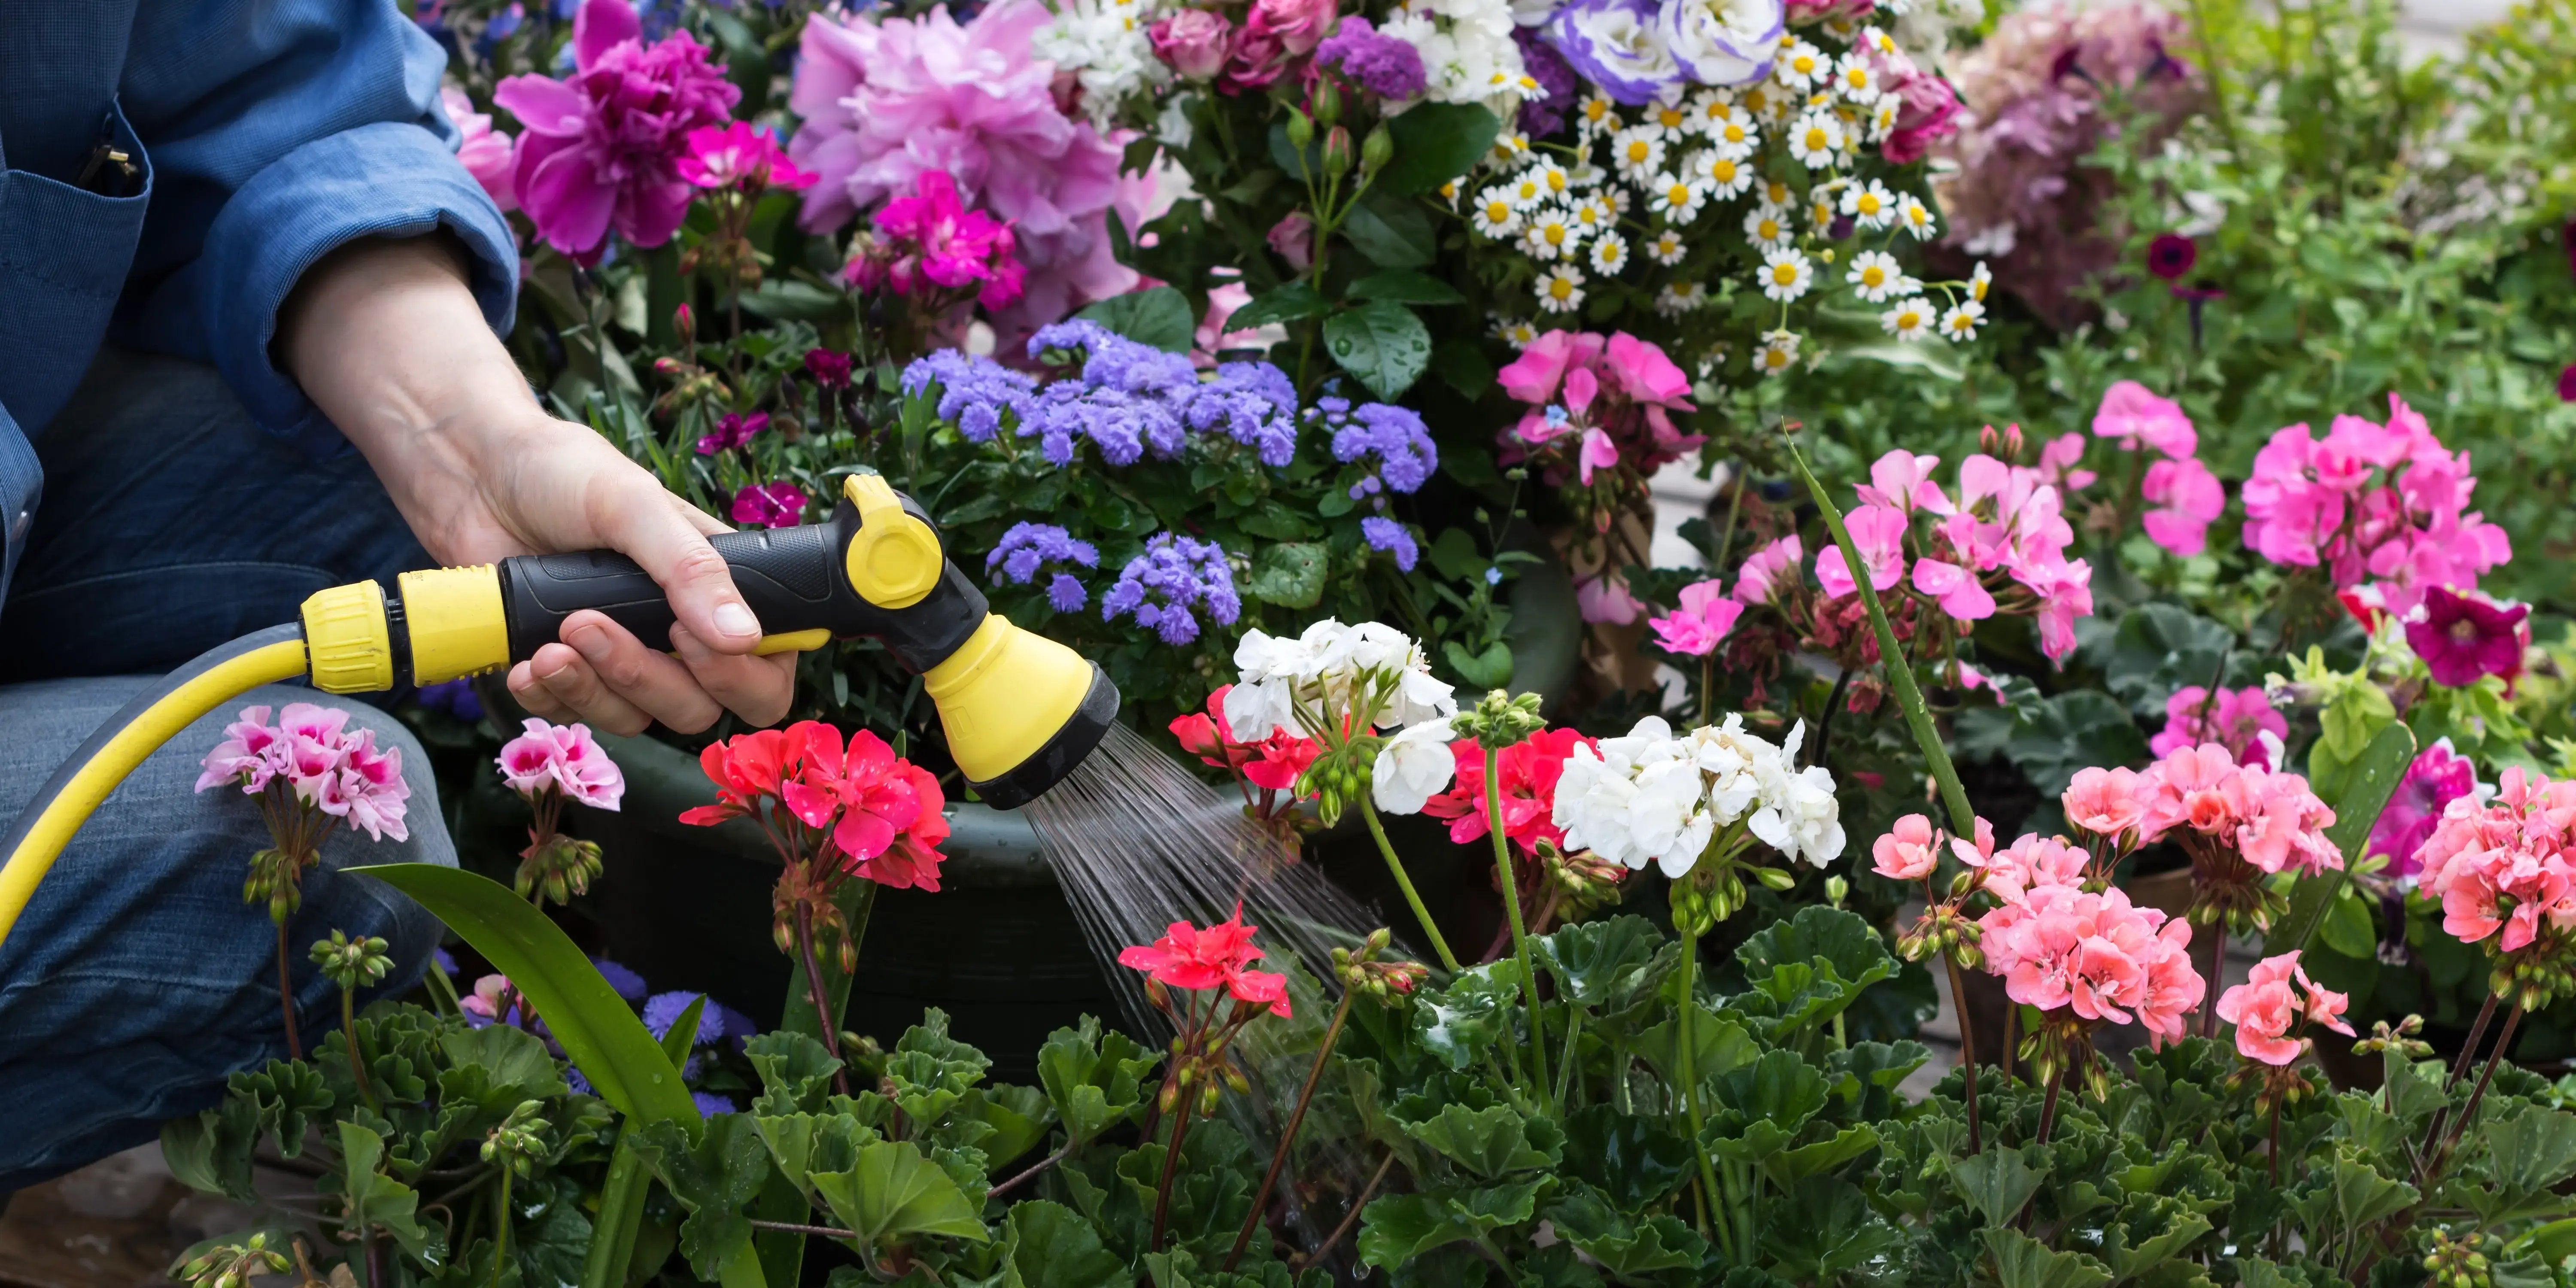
387 340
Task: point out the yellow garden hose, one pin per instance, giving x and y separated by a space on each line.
216 677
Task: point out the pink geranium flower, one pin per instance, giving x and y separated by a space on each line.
2241 720
1704 618
602 149
2185 499
740 157
1768 571
2104 801
2276 996
2464 636
2382 504
2133 415
552 757
1909 850
1878 536
1902 481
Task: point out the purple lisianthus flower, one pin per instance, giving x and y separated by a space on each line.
2464 636
2438 777
626 983
1382 65
1174 576
1393 435
662 1010
1386 534
1028 550
1544 114
1719 42
974 393
1617 45
733 430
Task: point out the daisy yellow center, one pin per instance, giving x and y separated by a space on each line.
1670 118
1722 170
1678 195
1916 214
1528 190
1498 211
1869 204
1560 287
1857 78
1785 274
1555 234
1775 358
1908 320
1804 65
1977 292
1816 140
1638 151
1734 132
1770 229
1873 277
1595 110
1757 100
1778 194
1961 322
1556 181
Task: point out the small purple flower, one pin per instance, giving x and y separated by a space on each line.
663 1010
1388 535
626 983
1254 403
1544 114
2464 636
2171 255
974 393
455 697
1382 65
1614 44
2567 383
2438 777
1025 553
1065 593
732 431
830 370
779 504
1394 435
1174 575
711 1104
443 959
573 1077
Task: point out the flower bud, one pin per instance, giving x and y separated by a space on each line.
1208 1099
1301 129
1376 943
1170 1097
1377 149
1337 153
684 323
1328 102
1234 1078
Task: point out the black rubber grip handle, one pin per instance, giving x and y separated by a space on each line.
786 575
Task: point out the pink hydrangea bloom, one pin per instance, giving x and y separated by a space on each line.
1704 618
2241 720
2386 504
883 102
2276 996
602 148
2438 776
739 156
484 151
1908 852
552 757
2185 499
1768 571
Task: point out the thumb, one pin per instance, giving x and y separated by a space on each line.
667 537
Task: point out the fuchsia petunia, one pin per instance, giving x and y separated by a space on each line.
2464 636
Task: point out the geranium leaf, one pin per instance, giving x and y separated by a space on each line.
1996 1182
1286 302
891 1191
1158 315
2024 1262
1049 1245
1628 1157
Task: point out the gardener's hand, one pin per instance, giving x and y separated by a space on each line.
386 338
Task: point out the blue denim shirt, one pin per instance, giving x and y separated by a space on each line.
264 134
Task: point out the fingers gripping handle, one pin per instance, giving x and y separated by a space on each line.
786 576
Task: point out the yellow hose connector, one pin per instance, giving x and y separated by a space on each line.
345 635
455 621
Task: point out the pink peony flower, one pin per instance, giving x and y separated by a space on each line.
1768 571
778 504
1194 43
602 148
2132 414
1908 852
1704 618
739 156
2438 776
883 102
2241 720
1878 536
552 757
484 151
2104 801
2186 498
2464 636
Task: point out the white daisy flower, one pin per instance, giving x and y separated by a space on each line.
1961 322
1786 274
1855 79
1765 102
1778 353
1496 214
1672 119
1979 282
1560 289
1816 140
1680 298
1875 275
1637 152
1736 138
1803 65
1876 39
1594 216
1508 149
1676 198
1821 214
1775 193
1725 177
1917 218
1711 108
1882 119
1609 254
1909 320
1870 205
1553 179
1526 189
1550 233
1519 333
1768 226
1597 114
1666 248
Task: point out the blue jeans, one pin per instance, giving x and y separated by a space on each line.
137 980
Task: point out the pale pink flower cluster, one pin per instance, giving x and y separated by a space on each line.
2004 531
2241 720
315 755
2370 502
2270 819
2183 496
1704 618
2506 864
2276 996
563 758
2060 945
1768 570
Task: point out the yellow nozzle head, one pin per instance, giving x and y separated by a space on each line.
1020 710
347 644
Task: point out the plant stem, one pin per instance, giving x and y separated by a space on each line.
1900 675
2048 1105
1034 1168
1683 1062
2276 1142
1288 1134
357 1065
791 1227
1448 960
379 1274
1967 1045
1171 1166
286 997
1512 911
442 991
2217 978
1352 1217
1708 687
501 1225
814 992
2469 1113
2469 1051
1734 508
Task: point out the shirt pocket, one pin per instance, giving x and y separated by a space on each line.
64 256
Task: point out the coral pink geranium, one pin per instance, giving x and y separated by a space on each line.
1219 956
601 149
1908 852
883 102
2276 996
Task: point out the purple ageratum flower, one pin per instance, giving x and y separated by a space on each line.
1616 45
1718 42
662 1010
711 1104
1544 114
1024 553
2464 636
1253 403
455 697
2438 777
974 393
1128 400
1394 435
733 430
1388 535
1175 575
626 983
1382 65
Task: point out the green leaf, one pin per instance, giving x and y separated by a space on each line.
2054 737
795 1072
1807 970
373 1199
1049 1245
1289 574
1492 1141
2367 786
1934 359
2532 1152
1460 362
1404 287
1094 1079
1457 1025
930 1071
1391 233
1720 1046
598 1031
1628 1157
1435 143
1286 302
288 1098
713 1177
2024 1262
1790 1166
1398 1228
2348 927
1627 1249
2353 1195
1490 669
2158 649
1158 315
513 1065
1381 344
893 1191
212 1151
2151 1228
682 1036
1996 1182
1779 1090
793 301
1608 964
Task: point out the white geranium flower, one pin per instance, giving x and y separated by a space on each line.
1327 672
1735 762
1798 815
1412 767
1593 804
1669 817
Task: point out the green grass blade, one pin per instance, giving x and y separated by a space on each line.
2368 784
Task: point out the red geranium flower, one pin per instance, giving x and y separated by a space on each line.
746 768
1219 956
861 792
1272 764
1530 770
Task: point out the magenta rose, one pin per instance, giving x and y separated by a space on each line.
1194 42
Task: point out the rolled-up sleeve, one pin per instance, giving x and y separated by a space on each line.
279 130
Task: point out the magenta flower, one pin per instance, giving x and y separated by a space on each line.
2567 383
932 240
2464 636
769 505
563 758
1194 43
732 431
484 150
2186 498
2438 777
2132 414
1703 619
1960 594
602 149
739 156
2380 503
2171 255
828 368
1768 571
2241 720
310 760
1878 534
